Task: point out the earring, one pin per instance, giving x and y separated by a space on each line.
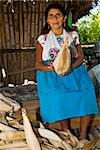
64 24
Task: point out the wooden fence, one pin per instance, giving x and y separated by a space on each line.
18 65
21 23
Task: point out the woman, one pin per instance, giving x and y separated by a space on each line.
66 96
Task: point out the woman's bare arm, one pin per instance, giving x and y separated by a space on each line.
39 65
80 57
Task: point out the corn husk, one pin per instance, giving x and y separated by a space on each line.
4 127
4 107
12 135
18 144
63 60
16 106
92 144
49 134
31 138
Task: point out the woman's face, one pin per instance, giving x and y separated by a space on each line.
55 19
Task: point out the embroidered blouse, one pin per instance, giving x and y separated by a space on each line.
53 51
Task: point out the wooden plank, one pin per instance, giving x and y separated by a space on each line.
87 46
36 20
18 57
3 36
11 27
16 25
22 66
29 24
33 24
21 24
44 7
40 17
6 25
25 23
22 71
0 28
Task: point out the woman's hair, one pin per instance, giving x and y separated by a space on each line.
54 5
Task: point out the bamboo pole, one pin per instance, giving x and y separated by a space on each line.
11 27
16 26
21 24
25 23
3 36
6 25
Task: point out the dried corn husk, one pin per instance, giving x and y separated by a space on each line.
13 145
63 60
41 125
31 138
81 143
4 127
12 135
4 107
16 106
73 139
47 147
1 143
49 134
92 144
18 148
54 139
12 120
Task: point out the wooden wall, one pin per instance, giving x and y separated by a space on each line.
20 25
18 65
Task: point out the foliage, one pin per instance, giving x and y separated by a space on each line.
89 28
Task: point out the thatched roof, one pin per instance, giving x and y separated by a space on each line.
79 8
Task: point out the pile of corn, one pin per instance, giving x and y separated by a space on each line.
15 135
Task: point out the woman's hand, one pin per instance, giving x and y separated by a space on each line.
50 66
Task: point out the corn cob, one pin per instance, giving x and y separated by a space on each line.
13 145
11 102
49 134
4 127
12 135
31 138
4 107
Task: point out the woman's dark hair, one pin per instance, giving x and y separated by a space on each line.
56 6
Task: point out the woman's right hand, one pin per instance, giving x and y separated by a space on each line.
43 67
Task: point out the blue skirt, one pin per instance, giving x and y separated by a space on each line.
63 97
